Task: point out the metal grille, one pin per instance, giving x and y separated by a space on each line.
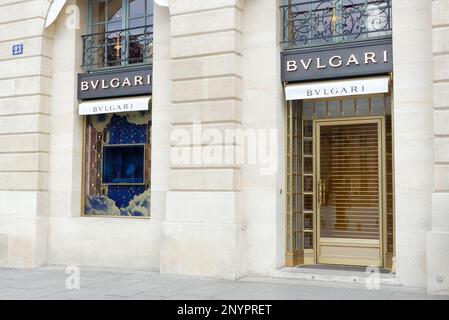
95 141
118 48
390 191
350 180
300 173
294 234
317 23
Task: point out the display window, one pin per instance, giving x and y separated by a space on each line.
118 165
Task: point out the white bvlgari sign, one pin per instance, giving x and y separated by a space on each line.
329 89
114 106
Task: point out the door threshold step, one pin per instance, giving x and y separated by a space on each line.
362 276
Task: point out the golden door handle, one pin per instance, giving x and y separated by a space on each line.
322 193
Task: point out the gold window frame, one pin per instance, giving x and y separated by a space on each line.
295 256
147 153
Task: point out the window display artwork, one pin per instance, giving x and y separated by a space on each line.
123 164
118 166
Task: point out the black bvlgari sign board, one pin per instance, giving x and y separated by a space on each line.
115 83
337 61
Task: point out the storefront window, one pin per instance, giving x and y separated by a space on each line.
118 165
306 192
120 33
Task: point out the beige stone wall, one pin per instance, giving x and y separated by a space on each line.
203 230
438 238
216 62
160 158
40 208
93 241
225 220
413 136
25 88
264 109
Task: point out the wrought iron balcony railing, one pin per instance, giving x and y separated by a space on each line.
118 48
311 23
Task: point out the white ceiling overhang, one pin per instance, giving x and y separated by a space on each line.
54 11
162 3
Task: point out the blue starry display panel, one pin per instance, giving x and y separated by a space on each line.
123 167
123 164
124 132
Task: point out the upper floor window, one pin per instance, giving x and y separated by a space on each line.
308 23
120 33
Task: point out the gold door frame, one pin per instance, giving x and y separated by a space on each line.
296 255
380 121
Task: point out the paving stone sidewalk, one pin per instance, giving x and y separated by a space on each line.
106 284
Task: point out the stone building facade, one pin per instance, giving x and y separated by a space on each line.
216 63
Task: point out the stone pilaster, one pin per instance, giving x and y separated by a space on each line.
25 85
160 158
412 105
264 107
438 237
203 230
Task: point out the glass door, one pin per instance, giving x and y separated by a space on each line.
349 190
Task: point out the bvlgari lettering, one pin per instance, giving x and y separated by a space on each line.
126 83
112 108
319 65
114 105
114 83
292 66
138 80
341 88
336 91
370 56
337 61
103 85
306 66
352 60
118 83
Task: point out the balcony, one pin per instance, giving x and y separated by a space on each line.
118 48
309 24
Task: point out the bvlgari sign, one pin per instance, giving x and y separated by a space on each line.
337 88
336 62
114 106
115 83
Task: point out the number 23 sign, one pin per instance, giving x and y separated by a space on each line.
17 49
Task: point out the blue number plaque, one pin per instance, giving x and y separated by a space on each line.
17 49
